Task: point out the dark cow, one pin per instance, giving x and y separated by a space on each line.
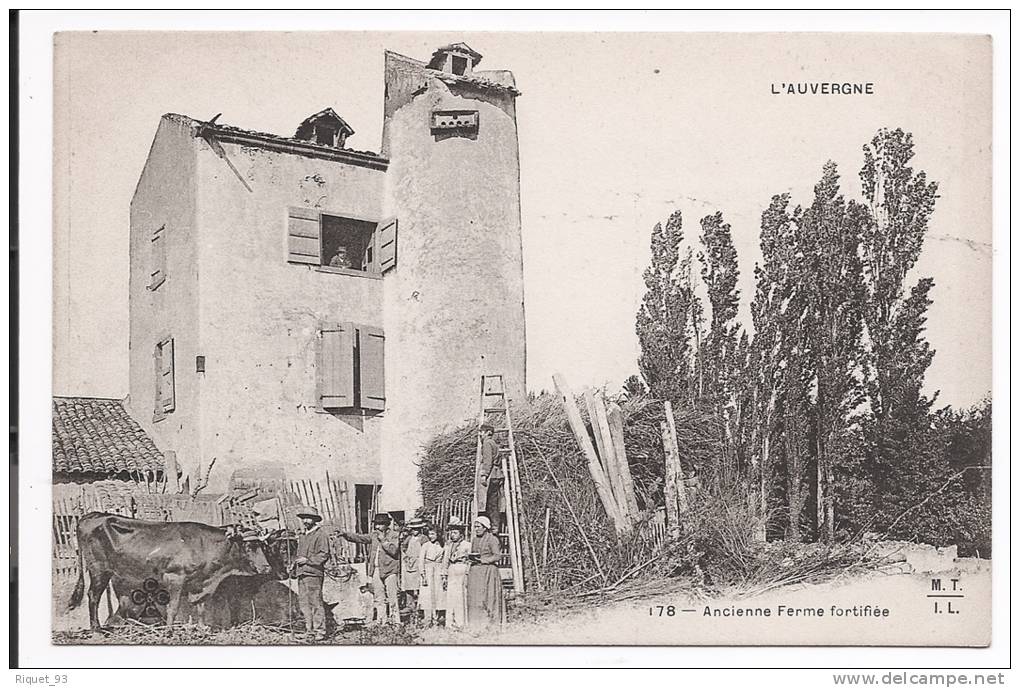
184 558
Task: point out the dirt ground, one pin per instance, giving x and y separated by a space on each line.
896 606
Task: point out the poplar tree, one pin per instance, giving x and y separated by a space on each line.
777 371
669 317
900 202
721 354
828 234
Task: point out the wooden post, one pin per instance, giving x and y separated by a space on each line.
669 484
170 471
615 418
600 441
610 461
681 493
545 540
598 476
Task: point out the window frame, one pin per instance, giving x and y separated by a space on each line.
377 223
356 332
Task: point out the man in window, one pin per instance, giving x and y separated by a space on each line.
340 259
489 491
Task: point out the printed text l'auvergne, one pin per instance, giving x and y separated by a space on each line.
823 88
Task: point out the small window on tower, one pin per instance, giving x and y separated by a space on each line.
458 64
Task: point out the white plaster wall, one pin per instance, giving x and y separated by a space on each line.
456 294
165 194
260 313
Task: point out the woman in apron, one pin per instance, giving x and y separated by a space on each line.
455 570
485 589
432 597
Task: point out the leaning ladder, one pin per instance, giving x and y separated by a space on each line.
494 409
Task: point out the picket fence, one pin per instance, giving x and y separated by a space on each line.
279 502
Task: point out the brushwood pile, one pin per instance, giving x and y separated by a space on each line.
580 548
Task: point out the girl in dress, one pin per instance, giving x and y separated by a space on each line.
454 574
432 597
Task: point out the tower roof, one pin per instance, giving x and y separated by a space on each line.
438 57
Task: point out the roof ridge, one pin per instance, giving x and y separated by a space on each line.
77 396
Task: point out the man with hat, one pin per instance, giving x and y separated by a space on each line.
383 565
410 565
309 566
489 491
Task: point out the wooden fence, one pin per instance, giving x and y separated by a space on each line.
269 504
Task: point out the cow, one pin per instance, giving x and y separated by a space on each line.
183 558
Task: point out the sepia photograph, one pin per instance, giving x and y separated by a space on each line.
521 338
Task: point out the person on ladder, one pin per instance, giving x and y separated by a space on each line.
489 491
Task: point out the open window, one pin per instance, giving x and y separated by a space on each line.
335 242
346 243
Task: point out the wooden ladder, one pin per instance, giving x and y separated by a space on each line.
494 409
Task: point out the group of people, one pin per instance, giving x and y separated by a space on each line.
455 581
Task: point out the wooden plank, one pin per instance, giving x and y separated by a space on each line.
598 476
600 441
611 463
545 540
327 508
333 504
512 527
669 484
615 419
677 467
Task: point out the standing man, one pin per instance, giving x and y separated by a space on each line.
309 564
489 491
383 566
410 566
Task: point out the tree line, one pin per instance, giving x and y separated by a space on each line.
823 422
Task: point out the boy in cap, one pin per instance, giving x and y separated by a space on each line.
309 565
383 565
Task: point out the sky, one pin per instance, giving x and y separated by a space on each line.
616 132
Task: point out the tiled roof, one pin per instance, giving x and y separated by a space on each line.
98 436
478 81
273 141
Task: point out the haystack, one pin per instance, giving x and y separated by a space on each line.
580 547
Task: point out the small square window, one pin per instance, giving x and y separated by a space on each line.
458 65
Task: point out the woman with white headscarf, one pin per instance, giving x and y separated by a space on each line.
485 589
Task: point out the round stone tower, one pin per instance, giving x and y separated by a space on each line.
454 303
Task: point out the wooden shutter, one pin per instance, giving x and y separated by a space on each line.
335 372
158 273
303 236
386 244
371 349
157 383
167 395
